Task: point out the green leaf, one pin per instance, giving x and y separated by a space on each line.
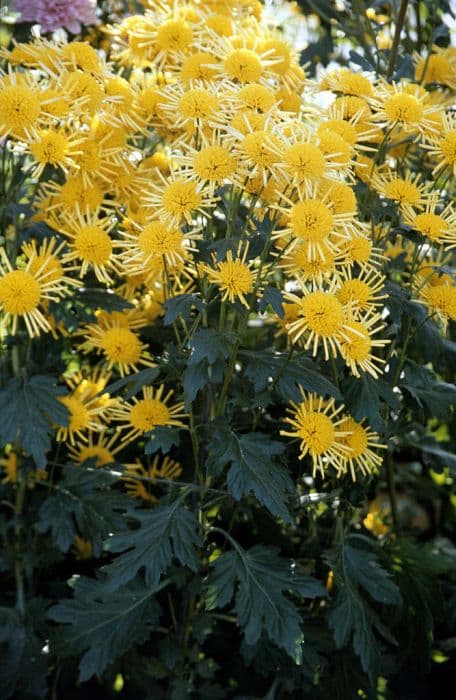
258 579
208 344
98 298
272 297
362 398
29 410
181 305
135 382
23 667
164 534
209 350
253 468
430 393
357 571
82 503
163 438
102 624
286 375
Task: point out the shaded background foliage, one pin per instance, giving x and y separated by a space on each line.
252 585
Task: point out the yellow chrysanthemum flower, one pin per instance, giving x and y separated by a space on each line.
140 480
23 291
120 346
141 416
317 425
360 440
234 276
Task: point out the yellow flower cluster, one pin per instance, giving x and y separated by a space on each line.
130 154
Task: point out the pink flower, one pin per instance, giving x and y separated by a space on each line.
54 14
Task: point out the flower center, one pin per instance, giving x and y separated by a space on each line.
93 245
19 292
148 413
323 313
311 220
157 239
19 108
317 431
243 65
121 345
236 277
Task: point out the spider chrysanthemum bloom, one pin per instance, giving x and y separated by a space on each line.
75 193
360 440
436 68
396 105
361 293
212 164
23 291
356 342
443 145
406 191
47 260
321 319
347 82
255 97
234 276
437 224
259 152
98 446
86 414
177 199
54 148
312 224
314 269
196 106
302 161
140 480
315 423
120 346
141 416
20 108
155 240
90 244
440 300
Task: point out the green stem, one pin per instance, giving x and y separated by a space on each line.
397 36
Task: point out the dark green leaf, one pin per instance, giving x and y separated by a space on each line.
103 624
164 534
23 667
258 578
208 344
357 571
286 375
272 296
105 299
253 468
363 401
360 61
82 503
163 438
181 305
29 410
135 382
428 391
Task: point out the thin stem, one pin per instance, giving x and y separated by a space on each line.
397 36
